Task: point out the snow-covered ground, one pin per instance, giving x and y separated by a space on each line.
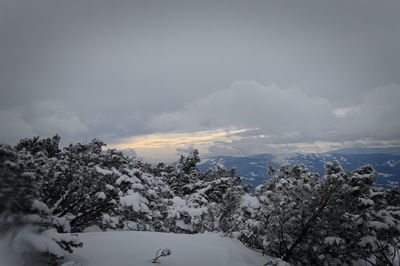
139 248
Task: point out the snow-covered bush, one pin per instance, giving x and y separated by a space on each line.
337 219
50 146
26 224
142 197
184 174
297 216
201 201
72 188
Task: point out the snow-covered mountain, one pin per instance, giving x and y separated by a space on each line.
253 168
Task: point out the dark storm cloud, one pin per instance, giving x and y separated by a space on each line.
123 68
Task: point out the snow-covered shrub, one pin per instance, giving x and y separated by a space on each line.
184 174
142 197
175 198
72 187
307 220
202 204
50 146
26 223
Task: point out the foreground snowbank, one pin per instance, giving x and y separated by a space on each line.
138 248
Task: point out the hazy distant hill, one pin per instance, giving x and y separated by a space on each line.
389 150
253 168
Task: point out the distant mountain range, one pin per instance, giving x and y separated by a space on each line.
252 169
389 150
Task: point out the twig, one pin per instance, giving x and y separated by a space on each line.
165 252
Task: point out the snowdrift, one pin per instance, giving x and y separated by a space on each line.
139 248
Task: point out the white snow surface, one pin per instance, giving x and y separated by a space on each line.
136 201
103 171
40 206
131 248
179 206
101 195
331 240
250 202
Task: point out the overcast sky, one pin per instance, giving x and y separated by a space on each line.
227 77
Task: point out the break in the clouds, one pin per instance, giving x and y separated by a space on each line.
289 73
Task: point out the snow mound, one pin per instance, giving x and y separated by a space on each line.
136 201
139 248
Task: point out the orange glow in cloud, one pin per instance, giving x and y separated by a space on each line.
178 140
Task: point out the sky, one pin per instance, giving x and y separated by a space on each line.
160 78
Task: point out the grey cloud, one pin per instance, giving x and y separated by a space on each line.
137 67
13 126
285 116
43 118
242 147
249 104
254 145
130 152
376 117
50 117
187 150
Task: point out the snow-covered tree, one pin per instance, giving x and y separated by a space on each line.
71 186
207 200
142 198
341 218
50 146
26 222
337 219
185 174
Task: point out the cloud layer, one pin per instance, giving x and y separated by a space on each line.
42 118
272 119
319 71
286 118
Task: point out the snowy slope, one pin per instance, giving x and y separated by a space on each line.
138 248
